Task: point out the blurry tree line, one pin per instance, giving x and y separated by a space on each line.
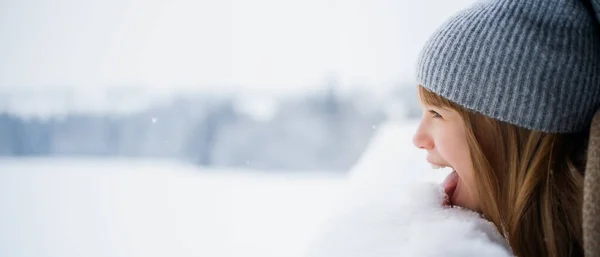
323 130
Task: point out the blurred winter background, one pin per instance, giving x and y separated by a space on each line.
194 128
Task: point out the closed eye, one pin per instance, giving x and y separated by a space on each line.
435 114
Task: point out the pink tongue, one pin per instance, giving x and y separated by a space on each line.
450 184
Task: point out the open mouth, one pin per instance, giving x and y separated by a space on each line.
449 184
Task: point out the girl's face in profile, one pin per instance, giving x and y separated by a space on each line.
442 134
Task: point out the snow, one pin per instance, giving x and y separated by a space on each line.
393 207
389 205
406 221
92 207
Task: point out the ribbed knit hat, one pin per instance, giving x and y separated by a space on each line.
531 63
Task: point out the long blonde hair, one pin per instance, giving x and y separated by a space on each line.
530 183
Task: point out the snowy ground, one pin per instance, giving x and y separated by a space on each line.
62 207
79 207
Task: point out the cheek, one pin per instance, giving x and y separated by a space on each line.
464 165
455 151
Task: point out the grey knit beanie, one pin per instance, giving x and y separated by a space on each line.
531 63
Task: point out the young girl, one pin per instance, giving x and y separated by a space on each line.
508 90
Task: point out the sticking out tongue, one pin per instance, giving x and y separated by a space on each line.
449 186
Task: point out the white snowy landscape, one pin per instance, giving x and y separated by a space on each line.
237 128
78 207
389 205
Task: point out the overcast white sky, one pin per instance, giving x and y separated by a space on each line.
284 45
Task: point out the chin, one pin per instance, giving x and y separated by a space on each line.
466 205
461 200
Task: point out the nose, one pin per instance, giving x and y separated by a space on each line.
421 139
